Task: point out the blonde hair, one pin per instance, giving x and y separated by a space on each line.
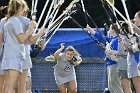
71 48
14 6
138 13
25 7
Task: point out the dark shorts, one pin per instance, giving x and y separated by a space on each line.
122 74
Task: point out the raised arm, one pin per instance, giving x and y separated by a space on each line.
96 34
56 54
90 30
23 37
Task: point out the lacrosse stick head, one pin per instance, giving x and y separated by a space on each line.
73 60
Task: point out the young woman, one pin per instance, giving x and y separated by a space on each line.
64 71
31 39
133 57
122 68
14 49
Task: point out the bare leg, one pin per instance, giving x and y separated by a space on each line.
62 88
73 86
12 76
29 85
1 82
6 80
126 85
136 82
22 82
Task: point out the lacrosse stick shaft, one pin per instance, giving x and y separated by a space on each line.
35 6
97 27
55 11
66 10
114 15
83 8
115 9
49 30
58 7
32 7
53 27
56 29
87 15
96 41
47 17
54 16
41 16
127 15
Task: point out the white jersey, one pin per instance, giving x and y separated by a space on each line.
63 67
63 70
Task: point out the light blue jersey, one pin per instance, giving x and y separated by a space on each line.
12 47
14 51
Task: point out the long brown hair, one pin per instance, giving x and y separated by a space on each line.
13 7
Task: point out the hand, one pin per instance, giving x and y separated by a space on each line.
43 44
89 29
62 45
114 52
107 49
32 25
107 52
3 7
120 39
41 31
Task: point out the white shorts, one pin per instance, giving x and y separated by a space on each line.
27 64
61 80
133 71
